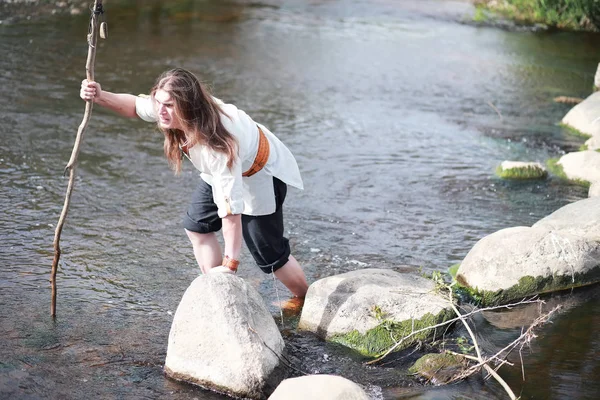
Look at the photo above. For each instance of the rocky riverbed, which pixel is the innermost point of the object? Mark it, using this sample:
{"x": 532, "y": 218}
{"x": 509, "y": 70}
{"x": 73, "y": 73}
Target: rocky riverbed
{"x": 18, "y": 10}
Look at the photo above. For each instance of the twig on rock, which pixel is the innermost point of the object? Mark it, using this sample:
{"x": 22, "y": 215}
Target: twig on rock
{"x": 449, "y": 322}
{"x": 482, "y": 362}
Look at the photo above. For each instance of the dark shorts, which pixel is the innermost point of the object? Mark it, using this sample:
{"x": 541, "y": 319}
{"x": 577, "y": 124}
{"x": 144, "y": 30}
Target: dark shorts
{"x": 263, "y": 234}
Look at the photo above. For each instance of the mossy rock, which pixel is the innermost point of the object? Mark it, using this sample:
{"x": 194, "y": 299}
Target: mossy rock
{"x": 378, "y": 340}
{"x": 521, "y": 170}
{"x": 556, "y": 169}
{"x": 574, "y": 131}
{"x": 528, "y": 286}
{"x": 439, "y": 368}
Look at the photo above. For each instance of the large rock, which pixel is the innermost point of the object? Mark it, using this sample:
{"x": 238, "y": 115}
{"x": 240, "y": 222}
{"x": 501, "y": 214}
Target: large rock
{"x": 368, "y": 310}
{"x": 593, "y": 143}
{"x": 223, "y": 338}
{"x": 583, "y": 117}
{"x": 594, "y": 189}
{"x": 319, "y": 387}
{"x": 581, "y": 165}
{"x": 517, "y": 262}
{"x": 581, "y": 218}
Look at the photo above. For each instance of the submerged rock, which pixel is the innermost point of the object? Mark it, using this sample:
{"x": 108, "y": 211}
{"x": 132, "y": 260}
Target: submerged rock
{"x": 439, "y": 368}
{"x": 318, "y": 387}
{"x": 581, "y": 165}
{"x": 223, "y": 338}
{"x": 521, "y": 170}
{"x": 369, "y": 310}
{"x": 517, "y": 262}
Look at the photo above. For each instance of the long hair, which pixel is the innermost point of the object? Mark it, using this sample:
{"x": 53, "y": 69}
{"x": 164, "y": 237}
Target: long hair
{"x": 200, "y": 117}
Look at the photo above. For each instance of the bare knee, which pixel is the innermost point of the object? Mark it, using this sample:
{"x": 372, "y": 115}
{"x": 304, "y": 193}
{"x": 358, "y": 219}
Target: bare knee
{"x": 199, "y": 239}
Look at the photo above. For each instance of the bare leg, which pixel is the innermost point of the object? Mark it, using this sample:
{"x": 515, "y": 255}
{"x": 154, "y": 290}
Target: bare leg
{"x": 292, "y": 276}
{"x": 207, "y": 249}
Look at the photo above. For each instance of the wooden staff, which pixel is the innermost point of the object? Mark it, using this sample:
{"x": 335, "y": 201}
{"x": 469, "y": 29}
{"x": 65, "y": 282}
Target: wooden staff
{"x": 92, "y": 39}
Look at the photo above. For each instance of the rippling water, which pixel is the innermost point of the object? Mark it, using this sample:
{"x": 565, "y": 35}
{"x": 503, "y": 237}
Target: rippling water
{"x": 398, "y": 113}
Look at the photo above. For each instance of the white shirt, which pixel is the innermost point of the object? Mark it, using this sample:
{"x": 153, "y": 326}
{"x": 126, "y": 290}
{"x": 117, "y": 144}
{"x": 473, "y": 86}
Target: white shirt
{"x": 233, "y": 193}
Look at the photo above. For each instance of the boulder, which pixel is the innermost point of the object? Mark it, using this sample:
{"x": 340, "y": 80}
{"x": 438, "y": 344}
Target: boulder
{"x": 583, "y": 117}
{"x": 593, "y": 143}
{"x": 368, "y": 310}
{"x": 581, "y": 165}
{"x": 517, "y": 262}
{"x": 581, "y": 218}
{"x": 597, "y": 78}
{"x": 594, "y": 189}
{"x": 223, "y": 338}
{"x": 318, "y": 387}
{"x": 521, "y": 170}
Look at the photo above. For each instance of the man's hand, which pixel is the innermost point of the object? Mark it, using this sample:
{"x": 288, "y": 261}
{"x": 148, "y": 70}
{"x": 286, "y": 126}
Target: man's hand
{"x": 90, "y": 90}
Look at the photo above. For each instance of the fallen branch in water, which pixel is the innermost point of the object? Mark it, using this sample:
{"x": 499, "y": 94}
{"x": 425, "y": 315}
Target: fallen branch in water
{"x": 478, "y": 351}
{"x": 92, "y": 38}
{"x": 451, "y": 321}
{"x": 568, "y": 100}
{"x": 484, "y": 362}
{"x": 525, "y": 338}
{"x": 489, "y": 103}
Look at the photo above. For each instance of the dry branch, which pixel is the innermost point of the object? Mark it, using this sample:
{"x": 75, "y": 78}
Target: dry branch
{"x": 451, "y": 321}
{"x": 89, "y": 68}
{"x": 483, "y": 362}
{"x": 524, "y": 338}
{"x": 478, "y": 351}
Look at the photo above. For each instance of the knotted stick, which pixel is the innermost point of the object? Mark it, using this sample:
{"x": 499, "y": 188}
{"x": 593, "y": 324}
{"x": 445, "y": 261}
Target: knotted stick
{"x": 92, "y": 39}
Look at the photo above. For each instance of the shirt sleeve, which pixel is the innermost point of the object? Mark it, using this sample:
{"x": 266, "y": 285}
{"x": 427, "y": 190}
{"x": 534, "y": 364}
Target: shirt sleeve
{"x": 227, "y": 184}
{"x": 144, "y": 107}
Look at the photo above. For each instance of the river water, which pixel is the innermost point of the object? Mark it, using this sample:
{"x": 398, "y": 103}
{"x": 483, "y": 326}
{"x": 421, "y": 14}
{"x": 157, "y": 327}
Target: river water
{"x": 398, "y": 113}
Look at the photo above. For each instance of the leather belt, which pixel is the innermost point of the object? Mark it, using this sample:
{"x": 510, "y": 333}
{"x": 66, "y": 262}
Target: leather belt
{"x": 262, "y": 155}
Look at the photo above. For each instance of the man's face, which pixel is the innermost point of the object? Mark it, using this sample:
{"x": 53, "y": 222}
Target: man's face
{"x": 165, "y": 110}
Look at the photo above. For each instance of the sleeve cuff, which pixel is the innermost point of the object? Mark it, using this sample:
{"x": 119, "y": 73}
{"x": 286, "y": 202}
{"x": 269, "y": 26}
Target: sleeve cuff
{"x": 144, "y": 108}
{"x": 228, "y": 207}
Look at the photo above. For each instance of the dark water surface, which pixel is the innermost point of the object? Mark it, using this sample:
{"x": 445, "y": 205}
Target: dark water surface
{"x": 398, "y": 113}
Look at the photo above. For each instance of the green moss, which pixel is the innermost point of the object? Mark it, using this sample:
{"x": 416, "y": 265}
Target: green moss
{"x": 557, "y": 169}
{"x": 378, "y": 313}
{"x": 378, "y": 340}
{"x": 574, "y": 132}
{"x": 453, "y": 270}
{"x": 481, "y": 15}
{"x": 529, "y": 286}
{"x": 583, "y": 147}
{"x": 563, "y": 14}
{"x": 431, "y": 364}
{"x": 528, "y": 172}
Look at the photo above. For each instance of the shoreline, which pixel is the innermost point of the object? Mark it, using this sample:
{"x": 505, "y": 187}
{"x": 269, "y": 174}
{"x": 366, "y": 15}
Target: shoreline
{"x": 525, "y": 15}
